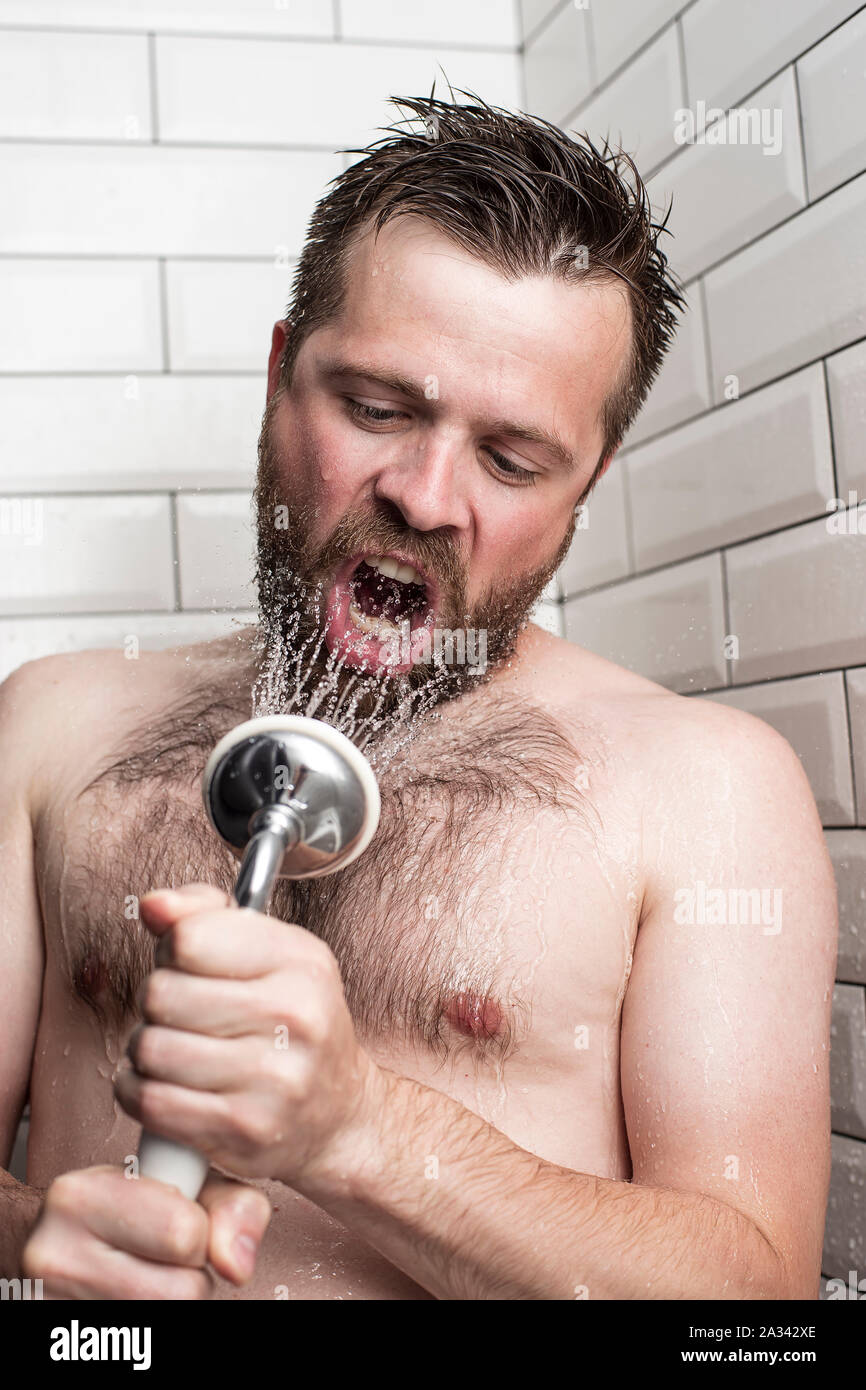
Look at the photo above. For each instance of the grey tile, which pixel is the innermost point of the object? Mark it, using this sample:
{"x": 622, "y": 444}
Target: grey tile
{"x": 832, "y": 78}
{"x": 848, "y": 1060}
{"x": 847, "y": 849}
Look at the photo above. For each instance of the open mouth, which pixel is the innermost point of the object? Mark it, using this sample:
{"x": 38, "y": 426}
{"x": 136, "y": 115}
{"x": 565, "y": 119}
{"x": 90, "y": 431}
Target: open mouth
{"x": 378, "y": 606}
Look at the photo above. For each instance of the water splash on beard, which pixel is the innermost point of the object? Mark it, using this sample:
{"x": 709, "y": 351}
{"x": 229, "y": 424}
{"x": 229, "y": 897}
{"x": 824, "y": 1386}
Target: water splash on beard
{"x": 297, "y": 674}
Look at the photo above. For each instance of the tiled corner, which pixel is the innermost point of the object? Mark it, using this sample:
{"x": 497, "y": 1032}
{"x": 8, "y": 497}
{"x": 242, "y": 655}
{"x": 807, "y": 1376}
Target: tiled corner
{"x": 731, "y": 45}
{"x": 831, "y": 78}
{"x": 636, "y": 109}
{"x": 557, "y": 73}
{"x": 681, "y": 389}
{"x": 810, "y": 713}
{"x": 845, "y": 1232}
{"x": 856, "y": 685}
{"x": 668, "y": 626}
{"x": 796, "y": 600}
{"x": 725, "y": 195}
{"x": 848, "y": 1060}
{"x": 797, "y": 293}
{"x": 846, "y": 378}
{"x": 847, "y": 849}
{"x": 599, "y": 550}
{"x": 752, "y": 465}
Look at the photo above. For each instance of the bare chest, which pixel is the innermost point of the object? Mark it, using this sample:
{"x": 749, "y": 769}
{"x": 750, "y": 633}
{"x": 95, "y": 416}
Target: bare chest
{"x": 484, "y": 919}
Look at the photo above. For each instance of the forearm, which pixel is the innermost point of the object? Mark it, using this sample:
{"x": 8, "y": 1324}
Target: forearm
{"x": 19, "y": 1208}
{"x": 470, "y": 1215}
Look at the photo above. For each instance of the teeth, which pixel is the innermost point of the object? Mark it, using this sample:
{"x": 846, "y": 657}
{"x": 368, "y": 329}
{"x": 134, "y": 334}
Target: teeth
{"x": 392, "y": 569}
{"x": 381, "y": 627}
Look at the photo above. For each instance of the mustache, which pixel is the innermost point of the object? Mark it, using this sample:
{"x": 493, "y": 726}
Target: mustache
{"x": 431, "y": 552}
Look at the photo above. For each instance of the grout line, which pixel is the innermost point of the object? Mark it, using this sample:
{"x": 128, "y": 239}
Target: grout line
{"x": 802, "y": 131}
{"x": 192, "y": 489}
{"x": 716, "y": 406}
{"x": 630, "y": 548}
{"x": 850, "y": 732}
{"x": 684, "y": 71}
{"x": 826, "y": 378}
{"x": 726, "y": 616}
{"x": 175, "y": 553}
{"x": 323, "y": 40}
{"x": 708, "y": 351}
{"x": 65, "y": 616}
{"x": 152, "y": 84}
{"x": 163, "y": 314}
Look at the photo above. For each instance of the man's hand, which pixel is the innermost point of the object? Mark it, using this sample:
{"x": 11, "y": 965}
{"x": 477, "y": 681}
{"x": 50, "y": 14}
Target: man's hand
{"x": 248, "y": 1052}
{"x": 101, "y": 1234}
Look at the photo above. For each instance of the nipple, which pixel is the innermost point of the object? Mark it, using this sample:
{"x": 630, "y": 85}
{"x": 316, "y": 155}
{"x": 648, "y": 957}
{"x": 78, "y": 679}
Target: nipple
{"x": 474, "y": 1015}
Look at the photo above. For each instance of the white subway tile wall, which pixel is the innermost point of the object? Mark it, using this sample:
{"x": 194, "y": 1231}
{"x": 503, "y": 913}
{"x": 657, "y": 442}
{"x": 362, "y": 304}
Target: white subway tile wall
{"x": 160, "y": 162}
{"x": 726, "y": 548}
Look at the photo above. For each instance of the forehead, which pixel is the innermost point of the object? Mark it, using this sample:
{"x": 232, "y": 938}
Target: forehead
{"x": 414, "y": 291}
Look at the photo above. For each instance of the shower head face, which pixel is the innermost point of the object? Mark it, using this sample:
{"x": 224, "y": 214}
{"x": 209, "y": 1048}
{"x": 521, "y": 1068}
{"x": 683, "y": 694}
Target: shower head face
{"x": 306, "y": 766}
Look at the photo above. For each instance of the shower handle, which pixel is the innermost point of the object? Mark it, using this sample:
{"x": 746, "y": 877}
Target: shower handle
{"x": 273, "y": 829}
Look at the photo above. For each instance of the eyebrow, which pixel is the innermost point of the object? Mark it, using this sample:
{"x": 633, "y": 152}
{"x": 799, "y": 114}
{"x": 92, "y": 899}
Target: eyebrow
{"x": 334, "y": 368}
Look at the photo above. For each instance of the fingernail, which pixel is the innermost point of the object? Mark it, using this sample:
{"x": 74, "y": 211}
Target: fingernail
{"x": 245, "y": 1250}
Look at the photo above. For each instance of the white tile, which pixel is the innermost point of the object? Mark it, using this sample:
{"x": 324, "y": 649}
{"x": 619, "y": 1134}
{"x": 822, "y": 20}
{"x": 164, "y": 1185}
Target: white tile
{"x": 599, "y": 550}
{"x": 848, "y": 1060}
{"x": 534, "y": 12}
{"x": 154, "y": 200}
{"x": 845, "y": 1231}
{"x": 490, "y": 22}
{"x": 856, "y": 685}
{"x": 74, "y": 87}
{"x": 308, "y": 93}
{"x": 832, "y": 80}
{"x": 68, "y": 315}
{"x": 750, "y": 466}
{"x": 635, "y": 109}
{"x": 727, "y": 194}
{"x": 556, "y": 66}
{"x": 847, "y": 849}
{"x": 549, "y": 616}
{"x": 277, "y": 17}
{"x": 733, "y": 45}
{"x": 796, "y": 601}
{"x": 25, "y": 639}
{"x": 846, "y": 378}
{"x": 682, "y": 388}
{"x": 667, "y": 626}
{"x": 62, "y": 434}
{"x": 84, "y": 554}
{"x": 221, "y": 313}
{"x": 810, "y": 714}
{"x": 796, "y": 294}
{"x": 216, "y": 547}
{"x": 620, "y": 27}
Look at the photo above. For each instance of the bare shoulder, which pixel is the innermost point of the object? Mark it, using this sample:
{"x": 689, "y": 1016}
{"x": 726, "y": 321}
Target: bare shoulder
{"x": 694, "y": 751}
{"x": 59, "y": 713}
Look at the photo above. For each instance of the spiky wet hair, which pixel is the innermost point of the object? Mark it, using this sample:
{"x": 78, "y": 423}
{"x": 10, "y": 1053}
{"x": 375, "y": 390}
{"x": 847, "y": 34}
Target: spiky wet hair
{"x": 521, "y": 195}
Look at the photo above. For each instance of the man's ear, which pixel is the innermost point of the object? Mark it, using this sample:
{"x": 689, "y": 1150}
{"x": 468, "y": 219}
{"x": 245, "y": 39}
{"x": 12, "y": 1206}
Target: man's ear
{"x": 606, "y": 465}
{"x": 281, "y": 332}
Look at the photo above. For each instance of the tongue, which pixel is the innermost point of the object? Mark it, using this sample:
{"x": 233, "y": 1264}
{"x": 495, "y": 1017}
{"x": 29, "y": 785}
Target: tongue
{"x": 377, "y": 596}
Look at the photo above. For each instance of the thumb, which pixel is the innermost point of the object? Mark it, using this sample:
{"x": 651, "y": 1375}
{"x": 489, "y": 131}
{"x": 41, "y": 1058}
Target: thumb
{"x": 239, "y": 1216}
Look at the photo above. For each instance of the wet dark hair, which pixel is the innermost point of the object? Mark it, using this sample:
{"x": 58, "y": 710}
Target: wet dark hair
{"x": 521, "y": 195}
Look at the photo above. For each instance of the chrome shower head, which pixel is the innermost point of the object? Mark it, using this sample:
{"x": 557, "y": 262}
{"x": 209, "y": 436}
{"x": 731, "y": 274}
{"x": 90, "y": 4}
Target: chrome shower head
{"x": 295, "y": 781}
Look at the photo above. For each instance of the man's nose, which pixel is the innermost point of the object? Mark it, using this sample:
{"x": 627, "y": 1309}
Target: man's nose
{"x": 427, "y": 489}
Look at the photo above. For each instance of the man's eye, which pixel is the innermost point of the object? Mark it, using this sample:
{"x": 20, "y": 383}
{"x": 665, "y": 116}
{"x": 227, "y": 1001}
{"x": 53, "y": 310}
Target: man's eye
{"x": 511, "y": 470}
{"x": 375, "y": 414}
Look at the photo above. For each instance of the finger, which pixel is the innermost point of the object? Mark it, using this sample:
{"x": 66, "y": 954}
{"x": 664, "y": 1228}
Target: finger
{"x": 239, "y": 1216}
{"x": 240, "y": 944}
{"x": 159, "y": 1224}
{"x": 195, "y": 1004}
{"x": 86, "y": 1268}
{"x": 193, "y": 1060}
{"x": 201, "y": 1119}
{"x": 163, "y": 906}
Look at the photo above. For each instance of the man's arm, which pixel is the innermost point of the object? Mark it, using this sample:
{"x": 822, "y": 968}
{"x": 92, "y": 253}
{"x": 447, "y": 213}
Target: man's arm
{"x": 21, "y": 957}
{"x": 724, "y": 1071}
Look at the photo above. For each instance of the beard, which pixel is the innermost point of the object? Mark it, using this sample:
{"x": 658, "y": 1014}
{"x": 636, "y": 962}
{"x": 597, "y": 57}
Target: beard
{"x": 302, "y": 670}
